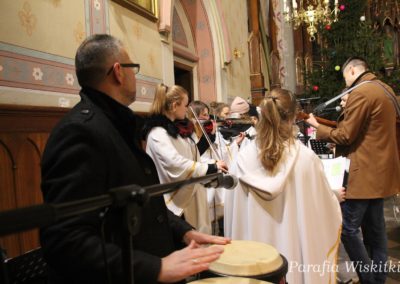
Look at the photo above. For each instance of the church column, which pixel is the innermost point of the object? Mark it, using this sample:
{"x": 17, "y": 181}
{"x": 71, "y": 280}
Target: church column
{"x": 256, "y": 76}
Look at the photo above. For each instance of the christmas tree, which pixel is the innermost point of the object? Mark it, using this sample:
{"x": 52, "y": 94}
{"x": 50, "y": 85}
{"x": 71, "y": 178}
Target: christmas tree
{"x": 351, "y": 35}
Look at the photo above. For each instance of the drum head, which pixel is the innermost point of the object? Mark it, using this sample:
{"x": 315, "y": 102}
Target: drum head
{"x": 247, "y": 258}
{"x": 229, "y": 280}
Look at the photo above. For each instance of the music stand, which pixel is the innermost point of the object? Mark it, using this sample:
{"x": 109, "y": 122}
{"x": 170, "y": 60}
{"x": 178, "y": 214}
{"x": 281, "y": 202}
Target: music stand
{"x": 305, "y": 104}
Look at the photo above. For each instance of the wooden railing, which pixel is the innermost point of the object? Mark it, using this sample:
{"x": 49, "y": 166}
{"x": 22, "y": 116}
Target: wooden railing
{"x": 24, "y": 131}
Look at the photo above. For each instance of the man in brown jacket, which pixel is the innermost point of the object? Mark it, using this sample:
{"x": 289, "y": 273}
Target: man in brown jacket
{"x": 368, "y": 133}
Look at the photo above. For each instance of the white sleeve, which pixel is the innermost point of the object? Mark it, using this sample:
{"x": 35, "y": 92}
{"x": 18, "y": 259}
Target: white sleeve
{"x": 172, "y": 166}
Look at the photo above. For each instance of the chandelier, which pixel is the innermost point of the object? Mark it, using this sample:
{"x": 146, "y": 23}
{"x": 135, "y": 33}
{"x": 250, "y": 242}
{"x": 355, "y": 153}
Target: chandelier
{"x": 317, "y": 12}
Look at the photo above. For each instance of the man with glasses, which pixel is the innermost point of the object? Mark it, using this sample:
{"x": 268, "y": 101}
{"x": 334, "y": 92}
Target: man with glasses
{"x": 95, "y": 148}
{"x": 367, "y": 134}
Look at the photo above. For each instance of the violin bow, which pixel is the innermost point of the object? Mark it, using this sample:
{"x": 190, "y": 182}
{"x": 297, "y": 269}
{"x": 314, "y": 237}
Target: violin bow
{"x": 205, "y": 134}
{"x": 219, "y": 136}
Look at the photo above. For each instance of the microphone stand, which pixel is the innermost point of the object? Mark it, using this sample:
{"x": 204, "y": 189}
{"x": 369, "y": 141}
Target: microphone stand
{"x": 3, "y": 274}
{"x": 322, "y": 106}
{"x": 129, "y": 197}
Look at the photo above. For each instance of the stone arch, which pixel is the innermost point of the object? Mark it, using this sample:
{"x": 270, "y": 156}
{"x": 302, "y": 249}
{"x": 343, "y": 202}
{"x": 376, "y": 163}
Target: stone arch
{"x": 202, "y": 54}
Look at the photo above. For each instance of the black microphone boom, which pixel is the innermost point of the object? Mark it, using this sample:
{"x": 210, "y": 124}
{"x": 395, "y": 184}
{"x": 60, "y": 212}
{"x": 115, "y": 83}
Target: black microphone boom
{"x": 13, "y": 221}
{"x": 225, "y": 181}
{"x": 130, "y": 198}
{"x": 319, "y": 108}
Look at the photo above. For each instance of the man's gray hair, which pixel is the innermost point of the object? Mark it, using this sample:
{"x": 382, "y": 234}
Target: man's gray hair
{"x": 95, "y": 57}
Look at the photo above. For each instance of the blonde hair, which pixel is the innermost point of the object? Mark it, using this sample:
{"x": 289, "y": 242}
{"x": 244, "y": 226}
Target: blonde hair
{"x": 278, "y": 110}
{"x": 165, "y": 97}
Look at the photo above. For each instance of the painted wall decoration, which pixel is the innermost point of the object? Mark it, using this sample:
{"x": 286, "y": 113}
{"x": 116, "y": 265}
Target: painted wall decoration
{"x": 238, "y": 70}
{"x": 140, "y": 37}
{"x": 44, "y": 26}
{"x": 27, "y": 19}
{"x": 178, "y": 32}
{"x": 37, "y": 56}
{"x": 33, "y": 73}
{"x": 97, "y": 10}
{"x": 142, "y": 41}
{"x": 183, "y": 38}
{"x": 200, "y": 27}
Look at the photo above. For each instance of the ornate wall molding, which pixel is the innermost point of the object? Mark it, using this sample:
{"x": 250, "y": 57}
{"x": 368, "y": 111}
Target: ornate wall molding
{"x": 30, "y": 72}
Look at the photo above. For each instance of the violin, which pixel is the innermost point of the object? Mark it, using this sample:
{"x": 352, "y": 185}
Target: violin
{"x": 302, "y": 116}
{"x": 185, "y": 127}
{"x": 208, "y": 125}
{"x": 233, "y": 127}
{"x": 229, "y": 122}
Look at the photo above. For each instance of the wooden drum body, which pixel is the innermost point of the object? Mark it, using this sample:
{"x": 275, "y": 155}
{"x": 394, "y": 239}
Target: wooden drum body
{"x": 251, "y": 260}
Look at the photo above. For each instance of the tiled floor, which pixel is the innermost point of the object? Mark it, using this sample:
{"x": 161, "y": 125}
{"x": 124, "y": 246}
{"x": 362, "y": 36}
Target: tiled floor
{"x": 393, "y": 231}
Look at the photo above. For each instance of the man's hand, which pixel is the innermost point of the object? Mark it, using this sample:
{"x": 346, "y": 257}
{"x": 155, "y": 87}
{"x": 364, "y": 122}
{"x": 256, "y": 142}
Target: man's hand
{"x": 312, "y": 121}
{"x": 188, "y": 261}
{"x": 204, "y": 239}
{"x": 342, "y": 194}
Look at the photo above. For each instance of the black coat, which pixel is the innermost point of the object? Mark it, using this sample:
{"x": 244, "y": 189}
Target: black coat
{"x": 91, "y": 150}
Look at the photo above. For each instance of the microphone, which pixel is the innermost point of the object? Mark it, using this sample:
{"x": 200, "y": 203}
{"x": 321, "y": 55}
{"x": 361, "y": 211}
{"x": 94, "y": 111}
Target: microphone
{"x": 333, "y": 109}
{"x": 225, "y": 181}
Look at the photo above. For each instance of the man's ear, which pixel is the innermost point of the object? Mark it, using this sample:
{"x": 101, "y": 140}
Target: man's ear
{"x": 352, "y": 71}
{"x": 117, "y": 73}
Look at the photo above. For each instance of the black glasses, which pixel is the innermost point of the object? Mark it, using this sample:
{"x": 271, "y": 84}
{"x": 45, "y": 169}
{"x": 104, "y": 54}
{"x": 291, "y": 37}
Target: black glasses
{"x": 135, "y": 66}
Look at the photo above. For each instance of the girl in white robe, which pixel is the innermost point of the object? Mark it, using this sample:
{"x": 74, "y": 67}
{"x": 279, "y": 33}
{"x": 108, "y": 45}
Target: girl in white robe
{"x": 283, "y": 197}
{"x": 221, "y": 149}
{"x": 176, "y": 156}
{"x": 209, "y": 154}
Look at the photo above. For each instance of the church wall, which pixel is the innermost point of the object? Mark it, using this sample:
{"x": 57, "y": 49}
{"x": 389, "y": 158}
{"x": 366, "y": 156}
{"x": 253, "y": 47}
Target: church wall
{"x": 237, "y": 73}
{"x": 38, "y": 41}
{"x": 39, "y": 38}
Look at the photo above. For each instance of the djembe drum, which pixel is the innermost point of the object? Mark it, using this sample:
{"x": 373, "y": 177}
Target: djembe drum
{"x": 250, "y": 259}
{"x": 229, "y": 280}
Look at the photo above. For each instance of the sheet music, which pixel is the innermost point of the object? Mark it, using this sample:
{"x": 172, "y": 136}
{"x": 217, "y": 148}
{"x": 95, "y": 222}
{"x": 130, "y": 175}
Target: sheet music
{"x": 334, "y": 170}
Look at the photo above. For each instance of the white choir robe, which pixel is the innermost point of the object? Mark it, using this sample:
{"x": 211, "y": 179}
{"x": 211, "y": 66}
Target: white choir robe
{"x": 228, "y": 151}
{"x": 251, "y": 131}
{"x": 215, "y": 196}
{"x": 178, "y": 159}
{"x": 294, "y": 210}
